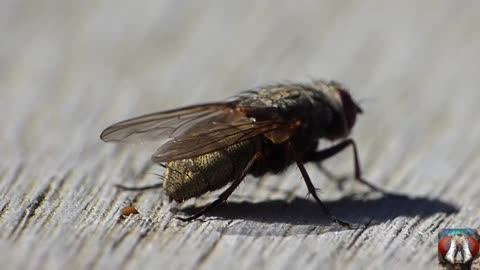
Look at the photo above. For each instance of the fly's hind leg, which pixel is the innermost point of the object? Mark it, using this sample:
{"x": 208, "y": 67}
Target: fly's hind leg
{"x": 142, "y": 188}
{"x": 225, "y": 194}
{"x": 329, "y": 152}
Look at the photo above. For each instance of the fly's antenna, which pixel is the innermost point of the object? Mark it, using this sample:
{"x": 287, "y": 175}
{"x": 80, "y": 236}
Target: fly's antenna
{"x": 365, "y": 100}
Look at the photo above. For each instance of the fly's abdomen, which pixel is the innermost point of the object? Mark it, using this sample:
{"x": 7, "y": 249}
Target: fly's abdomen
{"x": 187, "y": 178}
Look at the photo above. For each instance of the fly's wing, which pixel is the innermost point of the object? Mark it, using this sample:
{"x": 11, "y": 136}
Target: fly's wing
{"x": 192, "y": 131}
{"x": 158, "y": 127}
{"x": 208, "y": 137}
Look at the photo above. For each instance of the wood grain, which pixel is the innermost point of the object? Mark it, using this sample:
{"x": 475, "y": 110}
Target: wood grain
{"x": 70, "y": 68}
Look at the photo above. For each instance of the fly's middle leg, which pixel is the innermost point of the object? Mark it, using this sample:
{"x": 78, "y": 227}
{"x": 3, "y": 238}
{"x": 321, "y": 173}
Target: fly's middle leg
{"x": 339, "y": 180}
{"x": 225, "y": 194}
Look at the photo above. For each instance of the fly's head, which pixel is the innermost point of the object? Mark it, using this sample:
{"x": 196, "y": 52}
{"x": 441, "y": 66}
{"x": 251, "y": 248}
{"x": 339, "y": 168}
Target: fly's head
{"x": 457, "y": 246}
{"x": 343, "y": 103}
{"x": 350, "y": 108}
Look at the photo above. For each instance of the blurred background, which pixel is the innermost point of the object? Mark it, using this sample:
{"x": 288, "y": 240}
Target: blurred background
{"x": 68, "y": 69}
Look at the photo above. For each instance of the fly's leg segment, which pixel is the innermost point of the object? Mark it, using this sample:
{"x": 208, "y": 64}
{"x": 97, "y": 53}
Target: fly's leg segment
{"x": 142, "y": 188}
{"x": 311, "y": 188}
{"x": 339, "y": 180}
{"x": 224, "y": 196}
{"x": 329, "y": 152}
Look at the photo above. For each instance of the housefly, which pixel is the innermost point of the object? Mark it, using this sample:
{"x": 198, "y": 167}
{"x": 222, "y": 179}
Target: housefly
{"x": 457, "y": 247}
{"x": 207, "y": 146}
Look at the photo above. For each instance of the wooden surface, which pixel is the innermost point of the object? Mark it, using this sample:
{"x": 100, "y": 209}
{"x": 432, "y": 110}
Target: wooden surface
{"x": 70, "y": 68}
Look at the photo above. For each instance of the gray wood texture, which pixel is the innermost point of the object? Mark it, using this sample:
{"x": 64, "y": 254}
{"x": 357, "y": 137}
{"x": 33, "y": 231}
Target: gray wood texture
{"x": 70, "y": 68}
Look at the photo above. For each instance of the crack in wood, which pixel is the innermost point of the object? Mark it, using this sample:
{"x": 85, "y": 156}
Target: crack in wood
{"x": 357, "y": 236}
{"x": 212, "y": 248}
{"x": 29, "y": 212}
{"x": 15, "y": 176}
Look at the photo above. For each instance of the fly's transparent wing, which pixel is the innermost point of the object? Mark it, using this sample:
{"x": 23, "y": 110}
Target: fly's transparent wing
{"x": 214, "y": 136}
{"x": 195, "y": 130}
{"x": 167, "y": 124}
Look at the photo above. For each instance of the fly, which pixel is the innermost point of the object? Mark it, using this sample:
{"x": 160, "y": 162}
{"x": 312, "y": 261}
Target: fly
{"x": 207, "y": 146}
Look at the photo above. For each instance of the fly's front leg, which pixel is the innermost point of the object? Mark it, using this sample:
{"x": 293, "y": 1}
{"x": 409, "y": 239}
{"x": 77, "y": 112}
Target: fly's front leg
{"x": 329, "y": 152}
{"x": 224, "y": 196}
{"x": 312, "y": 190}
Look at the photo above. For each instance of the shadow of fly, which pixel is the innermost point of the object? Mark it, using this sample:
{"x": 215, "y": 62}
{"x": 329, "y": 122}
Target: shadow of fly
{"x": 207, "y": 146}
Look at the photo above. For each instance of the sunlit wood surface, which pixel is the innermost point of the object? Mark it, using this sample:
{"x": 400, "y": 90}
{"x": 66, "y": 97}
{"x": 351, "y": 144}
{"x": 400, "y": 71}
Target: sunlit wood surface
{"x": 68, "y": 69}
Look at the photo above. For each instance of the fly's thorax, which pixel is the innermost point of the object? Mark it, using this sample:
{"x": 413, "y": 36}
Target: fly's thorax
{"x": 318, "y": 105}
{"x": 188, "y": 178}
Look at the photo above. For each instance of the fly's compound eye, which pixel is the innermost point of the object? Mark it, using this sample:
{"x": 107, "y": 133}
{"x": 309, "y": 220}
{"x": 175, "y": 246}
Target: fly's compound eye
{"x": 350, "y": 108}
{"x": 473, "y": 246}
{"x": 444, "y": 245}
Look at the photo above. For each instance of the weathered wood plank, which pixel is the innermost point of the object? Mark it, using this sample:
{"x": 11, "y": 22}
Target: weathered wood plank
{"x": 68, "y": 69}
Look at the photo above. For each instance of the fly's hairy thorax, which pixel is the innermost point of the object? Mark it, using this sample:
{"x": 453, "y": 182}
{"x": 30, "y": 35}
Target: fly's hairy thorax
{"x": 187, "y": 178}
{"x": 320, "y": 119}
